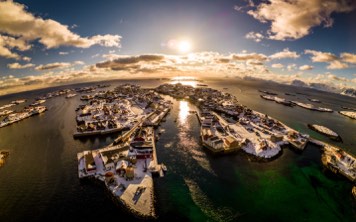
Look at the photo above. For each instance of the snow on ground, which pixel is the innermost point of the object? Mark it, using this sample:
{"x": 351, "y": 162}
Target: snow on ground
{"x": 254, "y": 147}
{"x": 349, "y": 114}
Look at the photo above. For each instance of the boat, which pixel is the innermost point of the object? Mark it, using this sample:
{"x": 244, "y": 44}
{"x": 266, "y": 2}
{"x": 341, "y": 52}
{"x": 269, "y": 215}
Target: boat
{"x": 3, "y": 155}
{"x": 38, "y": 102}
{"x": 70, "y": 95}
{"x": 268, "y": 92}
{"x": 314, "y": 100}
{"x": 18, "y": 101}
{"x": 199, "y": 84}
{"x": 163, "y": 167}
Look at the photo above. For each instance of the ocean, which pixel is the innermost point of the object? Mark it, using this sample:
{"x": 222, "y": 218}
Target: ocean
{"x": 39, "y": 180}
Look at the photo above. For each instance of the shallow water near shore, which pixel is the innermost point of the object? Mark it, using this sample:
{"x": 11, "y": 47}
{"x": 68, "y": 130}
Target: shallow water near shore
{"x": 39, "y": 180}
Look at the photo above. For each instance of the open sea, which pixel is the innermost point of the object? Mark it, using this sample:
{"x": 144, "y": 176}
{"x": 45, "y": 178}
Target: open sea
{"x": 39, "y": 181}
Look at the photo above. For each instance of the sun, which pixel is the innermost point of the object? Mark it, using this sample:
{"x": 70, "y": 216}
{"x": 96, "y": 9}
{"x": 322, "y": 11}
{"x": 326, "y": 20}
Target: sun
{"x": 184, "y": 46}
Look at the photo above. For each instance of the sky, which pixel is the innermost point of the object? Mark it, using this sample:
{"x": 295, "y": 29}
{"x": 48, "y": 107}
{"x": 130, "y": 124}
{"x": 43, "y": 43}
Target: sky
{"x": 302, "y": 42}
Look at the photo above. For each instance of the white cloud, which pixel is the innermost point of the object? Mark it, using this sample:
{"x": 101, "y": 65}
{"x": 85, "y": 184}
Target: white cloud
{"x": 22, "y": 27}
{"x": 17, "y": 65}
{"x": 250, "y": 56}
{"x": 202, "y": 64}
{"x": 337, "y": 65}
{"x": 305, "y": 67}
{"x": 277, "y": 66}
{"x": 55, "y": 65}
{"x": 294, "y": 19}
{"x": 78, "y": 63}
{"x": 334, "y": 61}
{"x": 348, "y": 57}
{"x": 318, "y": 56}
{"x": 285, "y": 54}
{"x": 255, "y": 36}
{"x": 291, "y": 67}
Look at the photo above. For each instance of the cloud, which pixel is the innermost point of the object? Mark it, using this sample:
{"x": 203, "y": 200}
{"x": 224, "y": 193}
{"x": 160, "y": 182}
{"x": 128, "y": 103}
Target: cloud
{"x": 291, "y": 67}
{"x": 8, "y": 43}
{"x": 285, "y": 54}
{"x": 334, "y": 61}
{"x": 348, "y": 57}
{"x": 294, "y": 19}
{"x": 306, "y": 67}
{"x": 250, "y": 56}
{"x": 19, "y": 27}
{"x": 19, "y": 66}
{"x": 78, "y": 63}
{"x": 255, "y": 36}
{"x": 337, "y": 65}
{"x": 318, "y": 56}
{"x": 277, "y": 66}
{"x": 200, "y": 64}
{"x": 55, "y": 65}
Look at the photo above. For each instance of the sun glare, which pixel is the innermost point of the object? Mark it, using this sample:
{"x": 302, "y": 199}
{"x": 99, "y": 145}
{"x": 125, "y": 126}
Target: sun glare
{"x": 184, "y": 46}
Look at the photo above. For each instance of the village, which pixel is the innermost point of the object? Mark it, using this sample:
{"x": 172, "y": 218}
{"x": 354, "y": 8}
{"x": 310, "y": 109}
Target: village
{"x": 227, "y": 126}
{"x": 126, "y": 166}
{"x": 119, "y": 109}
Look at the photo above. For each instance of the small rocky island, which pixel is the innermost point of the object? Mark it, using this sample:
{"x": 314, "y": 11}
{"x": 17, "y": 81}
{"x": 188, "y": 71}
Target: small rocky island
{"x": 325, "y": 131}
{"x": 349, "y": 114}
{"x": 3, "y": 155}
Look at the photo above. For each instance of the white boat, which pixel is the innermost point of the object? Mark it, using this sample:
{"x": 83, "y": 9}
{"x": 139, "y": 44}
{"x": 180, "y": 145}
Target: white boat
{"x": 163, "y": 167}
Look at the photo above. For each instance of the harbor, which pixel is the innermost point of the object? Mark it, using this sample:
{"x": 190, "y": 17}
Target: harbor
{"x": 189, "y": 165}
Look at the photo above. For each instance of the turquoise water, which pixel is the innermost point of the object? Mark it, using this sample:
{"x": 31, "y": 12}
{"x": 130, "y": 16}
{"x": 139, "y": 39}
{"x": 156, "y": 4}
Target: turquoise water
{"x": 39, "y": 180}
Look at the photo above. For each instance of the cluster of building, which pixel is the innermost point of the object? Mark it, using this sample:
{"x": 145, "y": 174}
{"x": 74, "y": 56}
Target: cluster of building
{"x": 227, "y": 125}
{"x": 127, "y": 166}
{"x": 25, "y": 113}
{"x": 126, "y": 169}
{"x": 119, "y": 109}
{"x": 339, "y": 161}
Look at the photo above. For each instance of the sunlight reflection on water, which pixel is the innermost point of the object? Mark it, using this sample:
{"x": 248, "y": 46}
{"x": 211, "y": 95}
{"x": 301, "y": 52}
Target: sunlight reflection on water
{"x": 183, "y": 111}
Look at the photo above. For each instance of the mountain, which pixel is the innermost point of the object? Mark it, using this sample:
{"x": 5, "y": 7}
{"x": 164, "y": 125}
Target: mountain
{"x": 349, "y": 92}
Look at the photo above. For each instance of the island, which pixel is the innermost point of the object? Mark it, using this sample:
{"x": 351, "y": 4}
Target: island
{"x": 126, "y": 170}
{"x": 312, "y": 107}
{"x": 277, "y": 100}
{"x": 350, "y": 114}
{"x": 119, "y": 109}
{"x": 227, "y": 126}
{"x": 25, "y": 113}
{"x": 325, "y": 131}
{"x": 127, "y": 166}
